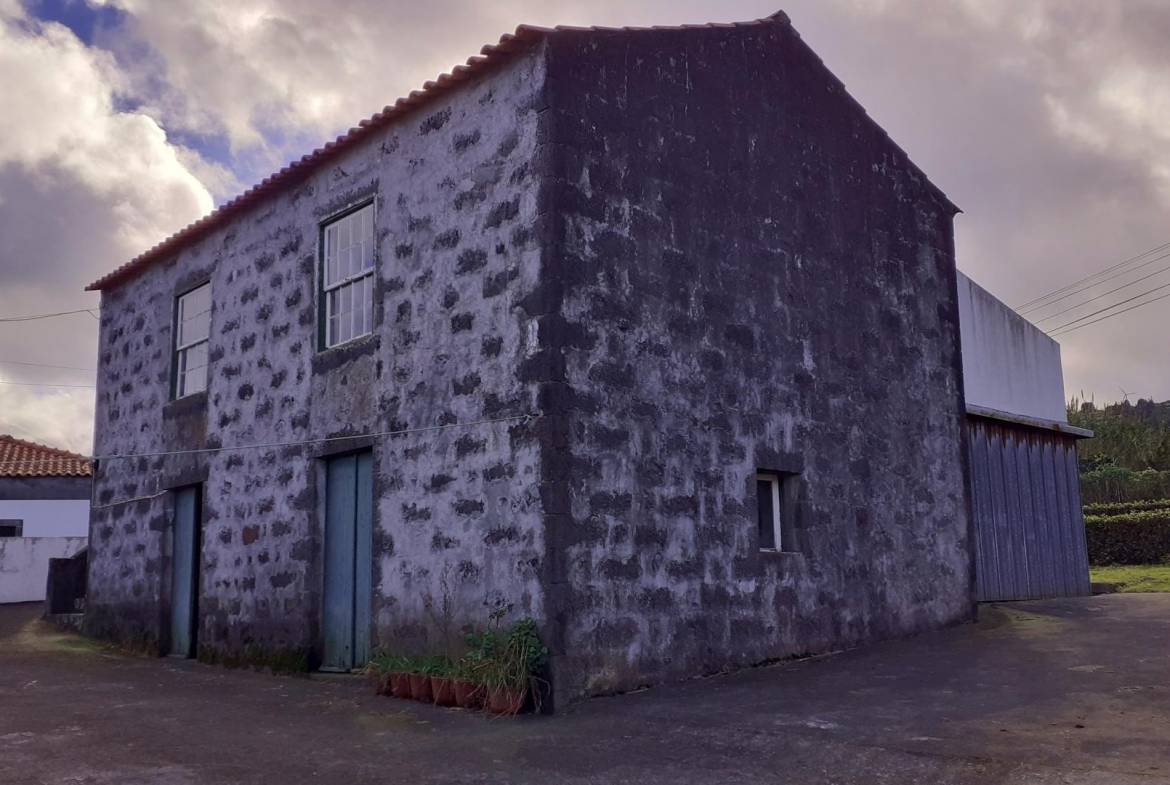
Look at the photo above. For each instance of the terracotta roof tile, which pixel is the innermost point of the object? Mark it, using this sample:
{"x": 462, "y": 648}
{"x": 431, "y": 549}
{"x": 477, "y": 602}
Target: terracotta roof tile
{"x": 20, "y": 458}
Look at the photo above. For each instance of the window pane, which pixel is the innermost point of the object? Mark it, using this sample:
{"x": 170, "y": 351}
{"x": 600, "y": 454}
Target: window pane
{"x": 367, "y": 238}
{"x": 192, "y": 370}
{"x": 349, "y": 246}
{"x": 331, "y": 271}
{"x": 367, "y": 323}
{"x": 197, "y": 356}
{"x": 194, "y": 316}
{"x": 766, "y": 513}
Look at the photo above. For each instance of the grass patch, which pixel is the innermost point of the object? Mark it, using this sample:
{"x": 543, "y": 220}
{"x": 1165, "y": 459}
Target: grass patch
{"x": 1134, "y": 578}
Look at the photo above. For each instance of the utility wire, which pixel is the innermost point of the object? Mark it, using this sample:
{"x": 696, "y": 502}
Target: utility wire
{"x": 1034, "y": 303}
{"x": 46, "y": 315}
{"x": 1110, "y": 316}
{"x": 1089, "y": 286}
{"x": 1103, "y": 294}
{"x": 40, "y": 384}
{"x": 46, "y": 365}
{"x": 1109, "y": 308}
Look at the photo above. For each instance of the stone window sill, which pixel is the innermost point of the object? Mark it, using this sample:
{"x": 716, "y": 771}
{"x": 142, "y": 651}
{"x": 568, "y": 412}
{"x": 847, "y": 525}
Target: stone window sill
{"x": 195, "y": 403}
{"x": 334, "y": 357}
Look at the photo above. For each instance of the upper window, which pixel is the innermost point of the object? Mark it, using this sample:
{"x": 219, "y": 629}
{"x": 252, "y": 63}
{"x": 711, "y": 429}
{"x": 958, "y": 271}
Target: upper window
{"x": 347, "y": 280}
{"x": 192, "y": 327}
{"x": 776, "y": 511}
{"x": 11, "y": 527}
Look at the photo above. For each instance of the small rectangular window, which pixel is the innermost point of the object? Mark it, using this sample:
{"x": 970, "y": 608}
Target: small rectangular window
{"x": 192, "y": 329}
{"x": 10, "y": 527}
{"x": 347, "y": 276}
{"x": 776, "y": 511}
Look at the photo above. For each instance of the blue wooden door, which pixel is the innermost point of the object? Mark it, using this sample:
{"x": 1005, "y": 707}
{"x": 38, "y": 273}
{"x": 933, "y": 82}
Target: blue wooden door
{"x": 348, "y": 561}
{"x": 185, "y": 572}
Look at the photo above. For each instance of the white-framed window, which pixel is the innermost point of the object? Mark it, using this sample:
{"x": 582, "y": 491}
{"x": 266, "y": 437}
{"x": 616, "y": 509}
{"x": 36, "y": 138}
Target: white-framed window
{"x": 192, "y": 328}
{"x": 347, "y": 276}
{"x": 776, "y": 510}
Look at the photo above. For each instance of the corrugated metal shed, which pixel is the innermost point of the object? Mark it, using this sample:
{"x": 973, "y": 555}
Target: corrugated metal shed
{"x": 1026, "y": 507}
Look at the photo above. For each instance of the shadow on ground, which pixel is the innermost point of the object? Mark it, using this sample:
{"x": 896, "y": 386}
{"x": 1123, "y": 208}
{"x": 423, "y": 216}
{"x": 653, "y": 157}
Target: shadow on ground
{"x": 1061, "y": 691}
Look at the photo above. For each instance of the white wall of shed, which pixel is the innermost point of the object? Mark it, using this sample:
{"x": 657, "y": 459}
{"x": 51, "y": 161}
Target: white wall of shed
{"x": 24, "y": 565}
{"x": 1009, "y": 364}
{"x": 48, "y": 517}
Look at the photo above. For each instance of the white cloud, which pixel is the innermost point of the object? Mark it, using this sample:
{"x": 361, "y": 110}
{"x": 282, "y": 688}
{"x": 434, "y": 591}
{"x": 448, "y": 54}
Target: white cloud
{"x": 261, "y": 71}
{"x": 60, "y": 417}
{"x": 86, "y": 187}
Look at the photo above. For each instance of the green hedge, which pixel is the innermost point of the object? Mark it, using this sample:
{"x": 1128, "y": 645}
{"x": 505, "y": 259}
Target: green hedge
{"x": 1117, "y": 484}
{"x": 1133, "y": 538}
{"x": 1124, "y": 508}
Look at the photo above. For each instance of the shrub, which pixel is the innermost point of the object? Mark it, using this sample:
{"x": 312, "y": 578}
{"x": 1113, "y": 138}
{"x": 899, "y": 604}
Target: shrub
{"x": 383, "y": 662}
{"x": 1111, "y": 484}
{"x": 1124, "y": 508}
{"x": 1132, "y": 538}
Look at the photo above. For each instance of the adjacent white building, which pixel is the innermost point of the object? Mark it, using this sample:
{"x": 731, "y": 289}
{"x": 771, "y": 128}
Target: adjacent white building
{"x": 44, "y": 514}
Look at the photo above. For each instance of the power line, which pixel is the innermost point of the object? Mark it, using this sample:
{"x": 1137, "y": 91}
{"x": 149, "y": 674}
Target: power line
{"x": 45, "y": 365}
{"x": 1109, "y": 307}
{"x": 41, "y": 384}
{"x": 1089, "y": 286}
{"x": 1034, "y": 303}
{"x": 47, "y": 315}
{"x": 1110, "y": 316}
{"x": 1103, "y": 294}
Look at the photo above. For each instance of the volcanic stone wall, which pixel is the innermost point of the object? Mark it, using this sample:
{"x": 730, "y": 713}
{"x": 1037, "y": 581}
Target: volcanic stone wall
{"x": 690, "y": 256}
{"x": 753, "y": 278}
{"x": 457, "y": 510}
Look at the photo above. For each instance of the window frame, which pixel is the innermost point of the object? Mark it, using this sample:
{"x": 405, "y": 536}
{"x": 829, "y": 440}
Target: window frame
{"x": 178, "y": 351}
{"x": 16, "y": 524}
{"x": 323, "y": 291}
{"x": 784, "y": 488}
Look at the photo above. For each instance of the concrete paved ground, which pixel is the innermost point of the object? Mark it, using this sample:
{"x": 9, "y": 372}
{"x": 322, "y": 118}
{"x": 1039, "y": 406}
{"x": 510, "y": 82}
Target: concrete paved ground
{"x": 1067, "y": 691}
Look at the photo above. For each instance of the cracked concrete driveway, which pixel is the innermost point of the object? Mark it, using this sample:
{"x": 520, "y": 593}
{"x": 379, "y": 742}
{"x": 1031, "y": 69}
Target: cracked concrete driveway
{"x": 1061, "y": 691}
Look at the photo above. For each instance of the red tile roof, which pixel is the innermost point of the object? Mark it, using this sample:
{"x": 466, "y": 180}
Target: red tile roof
{"x": 19, "y": 458}
{"x": 490, "y": 56}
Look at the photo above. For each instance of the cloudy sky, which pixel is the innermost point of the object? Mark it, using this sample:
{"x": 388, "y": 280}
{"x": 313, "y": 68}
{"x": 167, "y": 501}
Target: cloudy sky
{"x": 1047, "y": 121}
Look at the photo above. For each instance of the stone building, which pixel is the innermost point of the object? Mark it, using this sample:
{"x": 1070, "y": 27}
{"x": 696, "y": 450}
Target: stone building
{"x": 650, "y": 334}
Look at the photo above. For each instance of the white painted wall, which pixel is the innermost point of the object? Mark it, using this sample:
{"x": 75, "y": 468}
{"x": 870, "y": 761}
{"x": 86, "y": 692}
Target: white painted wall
{"x": 24, "y": 564}
{"x": 1009, "y": 364}
{"x": 44, "y": 518}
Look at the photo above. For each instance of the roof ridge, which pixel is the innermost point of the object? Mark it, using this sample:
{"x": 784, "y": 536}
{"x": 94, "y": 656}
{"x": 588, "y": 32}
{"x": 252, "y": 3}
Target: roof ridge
{"x": 25, "y": 458}
{"x": 28, "y": 443}
{"x": 489, "y": 54}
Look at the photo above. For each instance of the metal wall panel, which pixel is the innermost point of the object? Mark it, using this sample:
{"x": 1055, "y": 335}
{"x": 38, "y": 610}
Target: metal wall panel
{"x": 1026, "y": 506}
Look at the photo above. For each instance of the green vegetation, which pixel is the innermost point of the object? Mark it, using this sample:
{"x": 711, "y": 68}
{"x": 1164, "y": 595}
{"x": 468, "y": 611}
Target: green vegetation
{"x": 1125, "y": 481}
{"x": 1129, "y": 538}
{"x": 1124, "y": 508}
{"x": 1128, "y": 458}
{"x": 1136, "y": 578}
{"x": 431, "y": 665}
{"x": 510, "y": 658}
